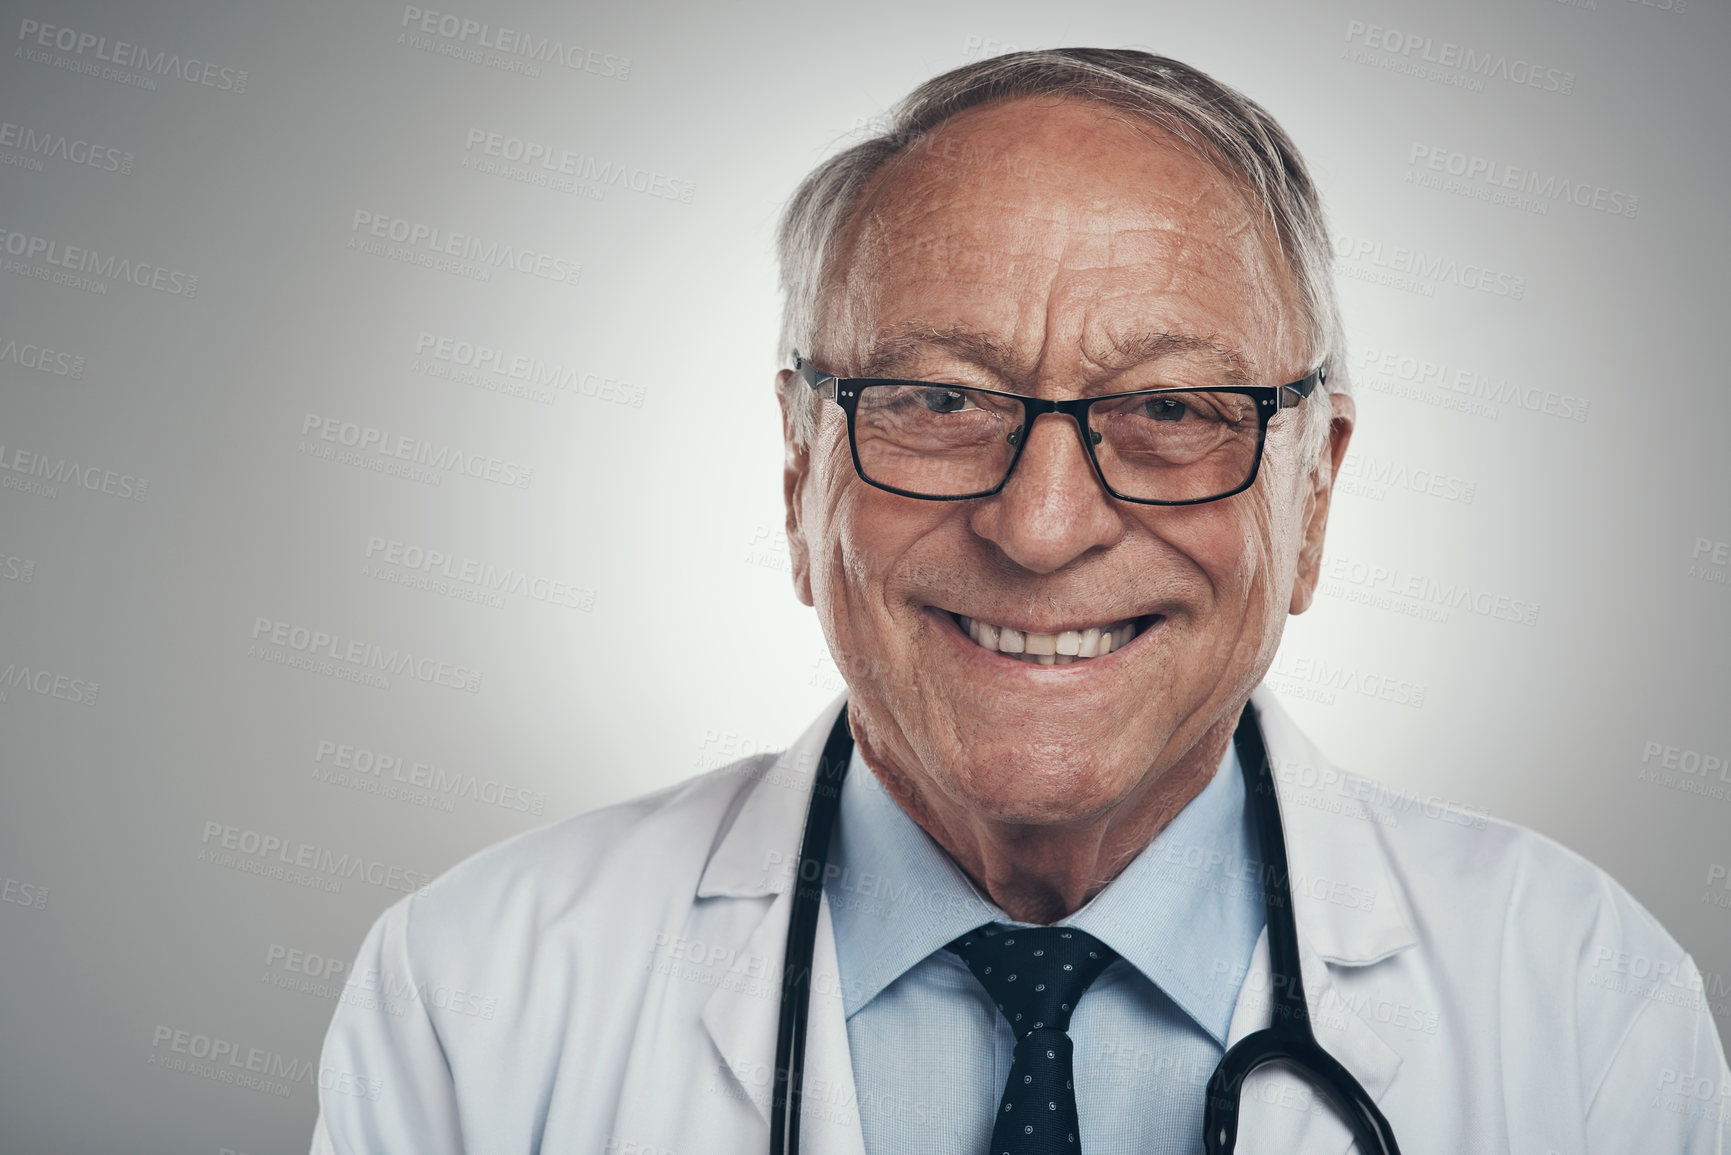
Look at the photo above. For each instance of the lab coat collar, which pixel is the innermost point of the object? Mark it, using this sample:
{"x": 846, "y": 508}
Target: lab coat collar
{"x": 1347, "y": 900}
{"x": 741, "y": 1019}
{"x": 756, "y": 858}
{"x": 759, "y": 852}
{"x": 1349, "y": 903}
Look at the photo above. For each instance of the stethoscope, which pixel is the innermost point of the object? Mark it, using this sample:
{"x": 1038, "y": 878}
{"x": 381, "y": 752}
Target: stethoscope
{"x": 1287, "y": 1039}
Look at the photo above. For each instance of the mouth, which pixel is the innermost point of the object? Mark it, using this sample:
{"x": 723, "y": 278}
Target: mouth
{"x": 1058, "y": 649}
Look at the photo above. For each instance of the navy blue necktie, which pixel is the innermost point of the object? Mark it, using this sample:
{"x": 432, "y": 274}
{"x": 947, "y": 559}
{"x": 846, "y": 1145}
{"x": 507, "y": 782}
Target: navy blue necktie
{"x": 1036, "y": 975}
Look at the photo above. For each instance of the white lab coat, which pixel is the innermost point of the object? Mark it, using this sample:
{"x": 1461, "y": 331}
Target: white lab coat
{"x": 610, "y": 983}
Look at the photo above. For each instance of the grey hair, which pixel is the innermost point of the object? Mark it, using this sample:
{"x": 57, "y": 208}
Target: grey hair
{"x": 1221, "y": 125}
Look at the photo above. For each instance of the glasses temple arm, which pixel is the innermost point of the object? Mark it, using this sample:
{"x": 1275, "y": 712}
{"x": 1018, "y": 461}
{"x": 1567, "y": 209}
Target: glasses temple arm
{"x": 812, "y": 375}
{"x": 1291, "y": 395}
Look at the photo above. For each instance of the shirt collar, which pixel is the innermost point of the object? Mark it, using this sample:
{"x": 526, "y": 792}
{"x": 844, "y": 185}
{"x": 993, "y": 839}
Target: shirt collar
{"x": 895, "y": 895}
{"x": 1187, "y": 910}
{"x": 1185, "y": 913}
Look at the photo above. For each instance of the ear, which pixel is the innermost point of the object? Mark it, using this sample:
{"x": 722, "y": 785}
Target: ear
{"x": 1317, "y": 500}
{"x": 796, "y": 468}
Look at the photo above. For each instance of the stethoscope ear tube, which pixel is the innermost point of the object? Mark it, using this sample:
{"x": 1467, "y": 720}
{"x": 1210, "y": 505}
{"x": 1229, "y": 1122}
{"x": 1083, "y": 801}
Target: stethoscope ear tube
{"x": 1288, "y": 1039}
{"x": 832, "y": 768}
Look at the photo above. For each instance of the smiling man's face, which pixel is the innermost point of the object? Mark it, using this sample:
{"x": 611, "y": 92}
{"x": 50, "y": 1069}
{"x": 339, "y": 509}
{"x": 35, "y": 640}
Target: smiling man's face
{"x": 1054, "y": 248}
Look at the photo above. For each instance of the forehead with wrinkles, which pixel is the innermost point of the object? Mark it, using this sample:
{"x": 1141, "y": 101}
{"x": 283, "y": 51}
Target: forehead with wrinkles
{"x": 1043, "y": 225}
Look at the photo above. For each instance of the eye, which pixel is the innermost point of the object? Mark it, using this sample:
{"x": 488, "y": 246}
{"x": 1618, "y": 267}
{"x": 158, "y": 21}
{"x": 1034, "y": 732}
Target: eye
{"x": 944, "y": 400}
{"x": 1165, "y": 409}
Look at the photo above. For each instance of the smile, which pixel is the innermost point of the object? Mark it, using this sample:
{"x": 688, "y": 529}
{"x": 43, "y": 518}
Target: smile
{"x": 1060, "y": 649}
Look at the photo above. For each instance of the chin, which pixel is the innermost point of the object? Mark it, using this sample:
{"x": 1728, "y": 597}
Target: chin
{"x": 1038, "y": 785}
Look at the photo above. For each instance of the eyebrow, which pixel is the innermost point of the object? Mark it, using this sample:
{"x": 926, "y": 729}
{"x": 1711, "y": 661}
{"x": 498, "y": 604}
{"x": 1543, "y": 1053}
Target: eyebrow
{"x": 892, "y": 353}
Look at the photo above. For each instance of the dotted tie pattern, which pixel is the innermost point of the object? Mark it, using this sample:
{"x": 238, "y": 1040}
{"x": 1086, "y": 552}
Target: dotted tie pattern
{"x": 1036, "y": 975}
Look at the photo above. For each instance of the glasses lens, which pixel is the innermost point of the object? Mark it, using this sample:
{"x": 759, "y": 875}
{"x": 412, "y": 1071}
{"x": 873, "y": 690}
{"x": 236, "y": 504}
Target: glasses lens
{"x": 1176, "y": 446}
{"x": 935, "y": 440}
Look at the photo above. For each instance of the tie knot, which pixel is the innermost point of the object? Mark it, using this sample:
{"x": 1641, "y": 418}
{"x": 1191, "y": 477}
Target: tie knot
{"x": 1036, "y": 975}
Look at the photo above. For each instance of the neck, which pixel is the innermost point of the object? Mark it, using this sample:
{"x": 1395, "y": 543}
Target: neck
{"x": 1041, "y": 873}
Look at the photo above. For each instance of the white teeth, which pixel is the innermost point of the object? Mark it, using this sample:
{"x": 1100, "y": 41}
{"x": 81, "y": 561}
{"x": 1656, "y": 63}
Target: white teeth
{"x": 1059, "y": 649}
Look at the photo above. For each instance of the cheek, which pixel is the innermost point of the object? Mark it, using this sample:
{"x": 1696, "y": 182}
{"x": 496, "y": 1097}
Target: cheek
{"x": 829, "y": 511}
{"x": 1283, "y": 502}
{"x": 1234, "y": 545}
{"x": 858, "y": 536}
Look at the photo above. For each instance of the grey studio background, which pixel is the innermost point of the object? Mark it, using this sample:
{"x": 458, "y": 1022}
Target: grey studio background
{"x": 389, "y": 465}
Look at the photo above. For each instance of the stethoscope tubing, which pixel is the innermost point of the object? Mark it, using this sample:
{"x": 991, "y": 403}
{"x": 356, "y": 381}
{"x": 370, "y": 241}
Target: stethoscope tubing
{"x": 1288, "y": 1039}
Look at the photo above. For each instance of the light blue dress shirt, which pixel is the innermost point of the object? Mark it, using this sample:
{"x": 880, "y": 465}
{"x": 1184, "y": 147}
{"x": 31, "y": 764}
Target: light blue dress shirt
{"x": 930, "y": 1050}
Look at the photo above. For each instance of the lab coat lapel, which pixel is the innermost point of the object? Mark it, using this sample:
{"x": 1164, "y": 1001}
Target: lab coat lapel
{"x": 756, "y": 858}
{"x": 1280, "y": 1111}
{"x": 1332, "y": 855}
{"x": 1326, "y": 850}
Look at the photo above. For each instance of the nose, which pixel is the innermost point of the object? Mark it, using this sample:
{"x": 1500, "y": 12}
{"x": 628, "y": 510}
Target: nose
{"x": 1053, "y": 509}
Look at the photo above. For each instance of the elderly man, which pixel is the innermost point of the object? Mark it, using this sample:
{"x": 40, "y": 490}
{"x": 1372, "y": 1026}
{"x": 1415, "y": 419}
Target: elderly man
{"x": 1063, "y": 405}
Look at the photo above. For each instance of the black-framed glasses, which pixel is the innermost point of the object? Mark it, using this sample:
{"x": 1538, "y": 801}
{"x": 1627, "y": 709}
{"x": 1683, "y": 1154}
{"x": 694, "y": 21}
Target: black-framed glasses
{"x": 940, "y": 442}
